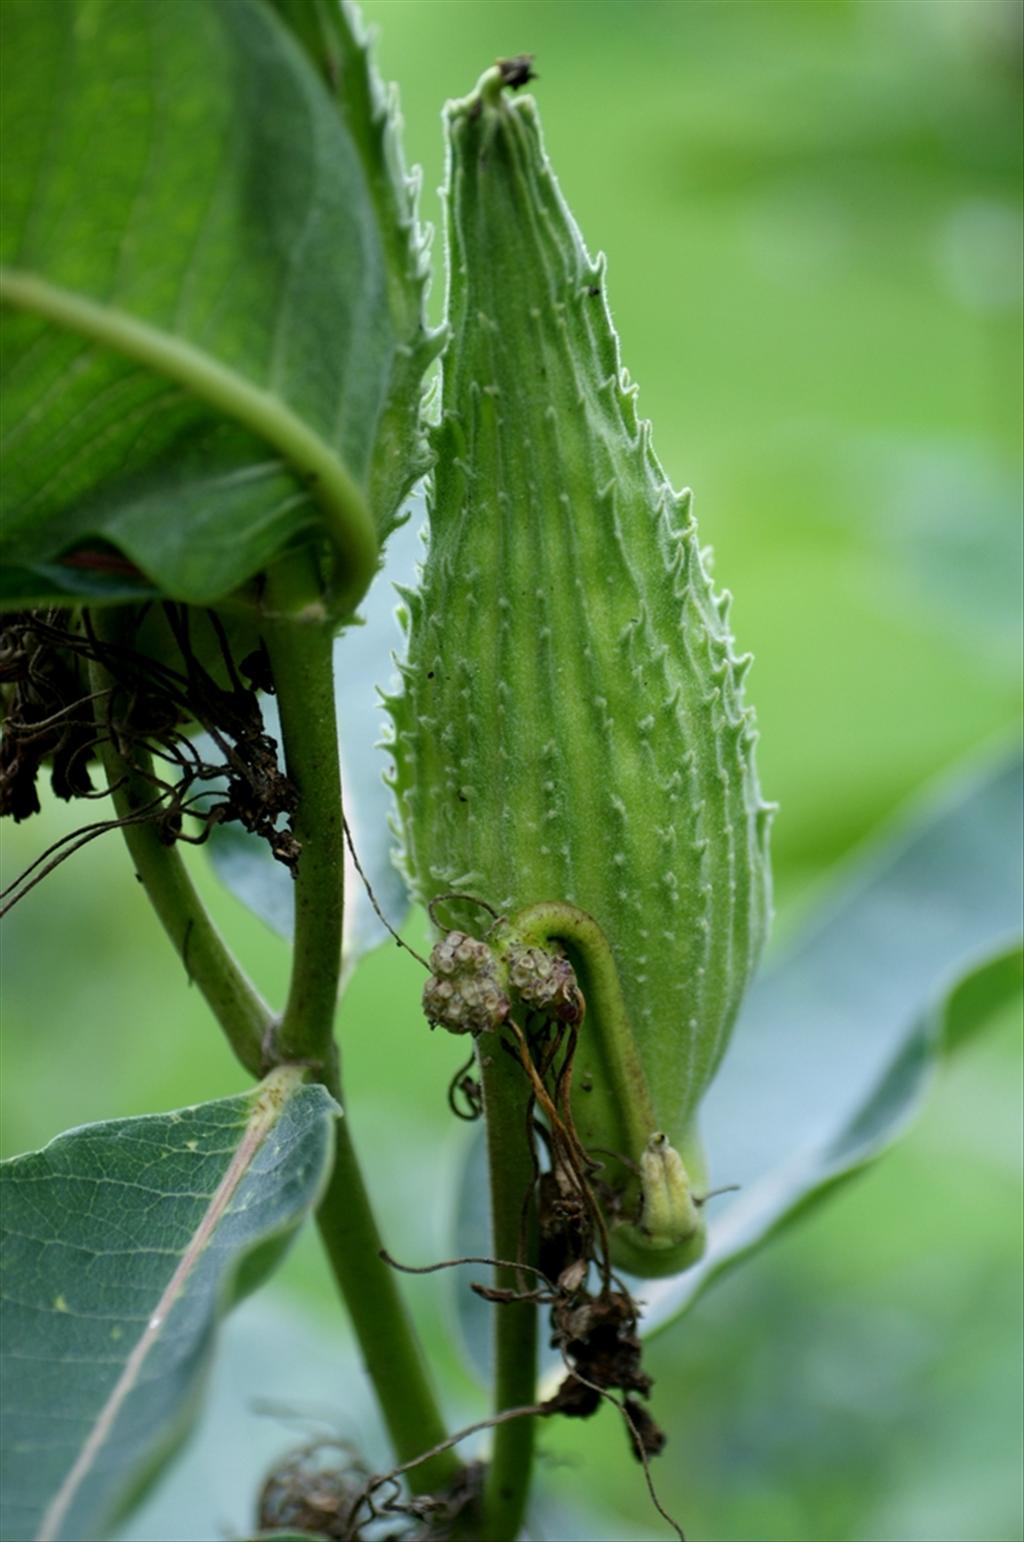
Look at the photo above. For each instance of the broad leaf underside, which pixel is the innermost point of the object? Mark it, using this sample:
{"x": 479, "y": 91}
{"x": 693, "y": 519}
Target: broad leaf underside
{"x": 122, "y": 1245}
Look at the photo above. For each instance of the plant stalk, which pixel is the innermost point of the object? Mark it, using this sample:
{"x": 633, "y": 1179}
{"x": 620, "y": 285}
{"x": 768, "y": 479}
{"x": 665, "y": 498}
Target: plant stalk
{"x": 507, "y": 1111}
{"x": 234, "y": 1001}
{"x": 301, "y": 660}
{"x": 387, "y": 1338}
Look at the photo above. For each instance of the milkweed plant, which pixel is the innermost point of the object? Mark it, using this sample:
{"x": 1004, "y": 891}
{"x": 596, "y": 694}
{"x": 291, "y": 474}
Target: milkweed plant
{"x": 221, "y": 400}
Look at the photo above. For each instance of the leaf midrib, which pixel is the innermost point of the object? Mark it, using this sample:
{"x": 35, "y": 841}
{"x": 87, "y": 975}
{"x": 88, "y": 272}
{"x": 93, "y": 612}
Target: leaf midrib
{"x": 346, "y": 515}
{"x": 267, "y": 1106}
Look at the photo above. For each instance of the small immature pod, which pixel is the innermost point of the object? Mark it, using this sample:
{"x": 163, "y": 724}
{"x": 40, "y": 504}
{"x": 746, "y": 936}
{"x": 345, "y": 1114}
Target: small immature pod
{"x": 572, "y": 726}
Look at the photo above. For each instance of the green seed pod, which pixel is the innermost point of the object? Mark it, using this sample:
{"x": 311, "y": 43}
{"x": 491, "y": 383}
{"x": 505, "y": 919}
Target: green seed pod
{"x": 572, "y": 726}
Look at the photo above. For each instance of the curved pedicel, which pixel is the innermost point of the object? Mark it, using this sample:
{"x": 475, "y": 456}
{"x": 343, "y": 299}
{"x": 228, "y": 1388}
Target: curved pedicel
{"x": 657, "y": 1223}
{"x": 553, "y": 960}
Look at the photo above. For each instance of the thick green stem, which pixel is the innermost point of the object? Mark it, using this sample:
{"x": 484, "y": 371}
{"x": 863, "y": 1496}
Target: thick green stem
{"x": 506, "y": 1106}
{"x": 608, "y": 1015}
{"x": 300, "y": 657}
{"x": 301, "y": 660}
{"x": 234, "y": 1001}
{"x": 391, "y": 1352}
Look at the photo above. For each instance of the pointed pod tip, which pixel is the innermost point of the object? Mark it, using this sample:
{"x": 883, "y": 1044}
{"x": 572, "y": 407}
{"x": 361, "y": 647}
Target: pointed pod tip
{"x": 505, "y": 74}
{"x": 517, "y": 71}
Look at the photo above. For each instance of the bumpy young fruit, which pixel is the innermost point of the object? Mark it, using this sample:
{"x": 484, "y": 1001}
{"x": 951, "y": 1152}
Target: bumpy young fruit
{"x": 572, "y": 725}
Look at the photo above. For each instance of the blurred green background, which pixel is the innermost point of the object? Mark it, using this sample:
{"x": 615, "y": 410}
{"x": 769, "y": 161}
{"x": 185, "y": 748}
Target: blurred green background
{"x": 812, "y": 218}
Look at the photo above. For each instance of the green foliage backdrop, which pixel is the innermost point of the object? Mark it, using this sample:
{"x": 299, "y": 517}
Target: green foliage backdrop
{"x": 812, "y": 220}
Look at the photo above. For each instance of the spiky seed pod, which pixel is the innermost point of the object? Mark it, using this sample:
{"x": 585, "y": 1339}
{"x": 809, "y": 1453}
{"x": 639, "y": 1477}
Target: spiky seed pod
{"x": 572, "y": 725}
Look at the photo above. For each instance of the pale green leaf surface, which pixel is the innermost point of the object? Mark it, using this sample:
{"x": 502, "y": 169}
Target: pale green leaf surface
{"x": 198, "y": 344}
{"x": 123, "y": 1243}
{"x": 837, "y": 1042}
{"x": 281, "y": 1378}
{"x": 362, "y": 662}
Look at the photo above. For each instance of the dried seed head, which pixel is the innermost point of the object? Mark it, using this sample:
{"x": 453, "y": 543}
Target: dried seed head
{"x": 546, "y": 981}
{"x": 458, "y": 954}
{"x": 464, "y": 992}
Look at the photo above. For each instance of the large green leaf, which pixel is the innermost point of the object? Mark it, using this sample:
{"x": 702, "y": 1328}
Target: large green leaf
{"x": 123, "y": 1243}
{"x": 199, "y": 342}
{"x": 837, "y": 1043}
